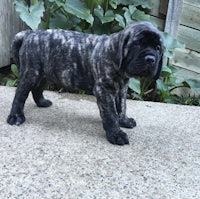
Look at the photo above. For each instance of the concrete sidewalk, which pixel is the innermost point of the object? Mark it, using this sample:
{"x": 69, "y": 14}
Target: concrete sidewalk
{"x": 61, "y": 152}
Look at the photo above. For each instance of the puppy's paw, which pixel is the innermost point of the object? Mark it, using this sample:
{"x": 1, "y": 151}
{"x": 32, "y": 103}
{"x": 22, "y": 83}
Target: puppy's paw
{"x": 44, "y": 103}
{"x": 127, "y": 122}
{"x": 119, "y": 138}
{"x": 16, "y": 119}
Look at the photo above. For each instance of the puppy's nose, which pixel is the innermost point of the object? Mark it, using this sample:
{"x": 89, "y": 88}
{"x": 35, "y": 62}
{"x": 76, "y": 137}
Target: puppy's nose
{"x": 150, "y": 59}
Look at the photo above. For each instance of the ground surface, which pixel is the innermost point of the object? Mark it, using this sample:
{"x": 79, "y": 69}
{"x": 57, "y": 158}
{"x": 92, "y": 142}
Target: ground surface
{"x": 61, "y": 152}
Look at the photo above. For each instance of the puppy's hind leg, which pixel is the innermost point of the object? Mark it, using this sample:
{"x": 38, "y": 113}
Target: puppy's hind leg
{"x": 16, "y": 116}
{"x": 38, "y": 97}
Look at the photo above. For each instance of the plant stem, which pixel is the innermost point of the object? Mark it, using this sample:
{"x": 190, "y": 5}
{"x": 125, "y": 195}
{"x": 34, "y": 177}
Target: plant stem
{"x": 170, "y": 90}
{"x": 107, "y": 3}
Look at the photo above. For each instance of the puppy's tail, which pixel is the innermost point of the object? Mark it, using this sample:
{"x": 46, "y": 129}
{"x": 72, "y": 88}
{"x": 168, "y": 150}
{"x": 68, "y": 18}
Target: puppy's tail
{"x": 16, "y": 45}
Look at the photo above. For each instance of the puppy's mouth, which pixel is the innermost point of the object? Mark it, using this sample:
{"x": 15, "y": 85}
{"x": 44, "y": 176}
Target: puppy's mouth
{"x": 147, "y": 62}
{"x": 146, "y": 58}
{"x": 144, "y": 64}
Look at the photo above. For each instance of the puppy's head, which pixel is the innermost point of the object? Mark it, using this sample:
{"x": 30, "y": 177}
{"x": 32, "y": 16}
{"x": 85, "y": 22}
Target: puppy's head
{"x": 141, "y": 51}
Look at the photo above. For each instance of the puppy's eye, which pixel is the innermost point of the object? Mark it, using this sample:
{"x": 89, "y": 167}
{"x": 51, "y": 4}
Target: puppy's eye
{"x": 157, "y": 47}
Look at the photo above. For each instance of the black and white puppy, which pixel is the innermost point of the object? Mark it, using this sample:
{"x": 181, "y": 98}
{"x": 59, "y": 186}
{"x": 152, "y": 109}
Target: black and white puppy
{"x": 101, "y": 65}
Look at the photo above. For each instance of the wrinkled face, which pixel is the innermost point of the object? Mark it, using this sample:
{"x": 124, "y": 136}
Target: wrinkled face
{"x": 144, "y": 55}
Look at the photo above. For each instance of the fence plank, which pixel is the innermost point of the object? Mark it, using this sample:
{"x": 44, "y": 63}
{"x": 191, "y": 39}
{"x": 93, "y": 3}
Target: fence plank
{"x": 173, "y": 17}
{"x": 10, "y": 24}
{"x": 189, "y": 36}
{"x": 187, "y": 59}
{"x": 155, "y": 11}
{"x": 164, "y": 6}
{"x": 193, "y": 2}
{"x": 190, "y": 16}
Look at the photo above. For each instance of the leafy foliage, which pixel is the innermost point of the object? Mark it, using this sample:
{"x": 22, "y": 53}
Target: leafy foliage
{"x": 187, "y": 100}
{"x": 94, "y": 16}
{"x": 170, "y": 44}
{"x": 12, "y": 79}
{"x": 30, "y": 15}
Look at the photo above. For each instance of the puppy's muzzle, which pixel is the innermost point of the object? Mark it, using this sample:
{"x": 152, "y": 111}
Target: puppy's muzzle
{"x": 150, "y": 59}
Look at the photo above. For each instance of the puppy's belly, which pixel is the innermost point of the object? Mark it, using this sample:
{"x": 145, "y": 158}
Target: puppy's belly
{"x": 75, "y": 80}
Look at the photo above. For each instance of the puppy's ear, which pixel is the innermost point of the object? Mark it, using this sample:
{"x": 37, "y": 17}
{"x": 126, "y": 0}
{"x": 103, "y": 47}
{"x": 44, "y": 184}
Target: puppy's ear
{"x": 157, "y": 75}
{"x": 123, "y": 50}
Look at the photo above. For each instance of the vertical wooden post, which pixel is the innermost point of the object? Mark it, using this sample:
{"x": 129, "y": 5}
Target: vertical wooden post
{"x": 172, "y": 20}
{"x": 173, "y": 17}
{"x": 10, "y": 24}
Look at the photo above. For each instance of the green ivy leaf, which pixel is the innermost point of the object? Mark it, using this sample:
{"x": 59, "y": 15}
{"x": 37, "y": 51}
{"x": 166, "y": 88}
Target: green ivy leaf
{"x": 166, "y": 69}
{"x": 171, "y": 43}
{"x": 169, "y": 53}
{"x": 91, "y": 3}
{"x": 127, "y": 16}
{"x": 15, "y": 70}
{"x": 139, "y": 15}
{"x": 59, "y": 20}
{"x": 113, "y": 4}
{"x": 108, "y": 17}
{"x": 122, "y": 2}
{"x": 121, "y": 20}
{"x": 9, "y": 82}
{"x": 99, "y": 12}
{"x": 134, "y": 84}
{"x": 4, "y": 80}
{"x": 163, "y": 89}
{"x": 132, "y": 9}
{"x": 193, "y": 84}
{"x": 144, "y": 3}
{"x": 30, "y": 15}
{"x": 161, "y": 85}
{"x": 34, "y": 2}
{"x": 78, "y": 8}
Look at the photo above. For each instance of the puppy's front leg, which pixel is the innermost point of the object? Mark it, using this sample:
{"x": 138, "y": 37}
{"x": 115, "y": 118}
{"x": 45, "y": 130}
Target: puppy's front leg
{"x": 124, "y": 121}
{"x": 109, "y": 115}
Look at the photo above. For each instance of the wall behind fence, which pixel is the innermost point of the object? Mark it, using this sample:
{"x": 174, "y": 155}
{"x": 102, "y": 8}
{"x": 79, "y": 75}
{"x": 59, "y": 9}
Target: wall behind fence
{"x": 10, "y": 24}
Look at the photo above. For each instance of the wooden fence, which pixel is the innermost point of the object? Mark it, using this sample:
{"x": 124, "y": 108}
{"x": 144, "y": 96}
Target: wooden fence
{"x": 188, "y": 60}
{"x": 188, "y": 32}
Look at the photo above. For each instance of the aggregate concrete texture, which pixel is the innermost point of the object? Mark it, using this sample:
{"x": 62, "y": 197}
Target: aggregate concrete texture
{"x": 61, "y": 152}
